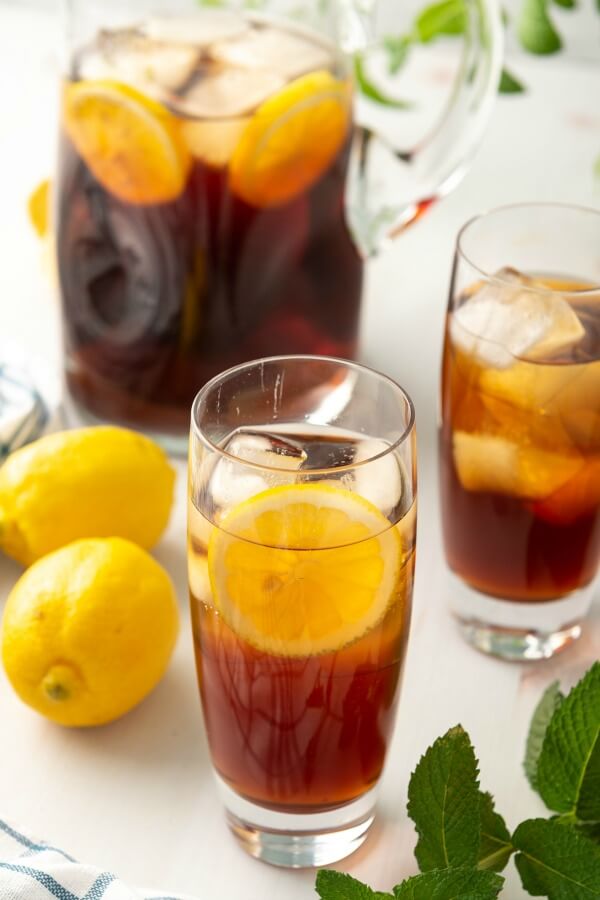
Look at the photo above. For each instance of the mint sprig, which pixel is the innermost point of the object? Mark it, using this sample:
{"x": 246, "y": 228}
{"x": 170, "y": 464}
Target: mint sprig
{"x": 463, "y": 842}
{"x": 397, "y": 49}
{"x": 495, "y": 847}
{"x": 535, "y": 29}
{"x": 450, "y": 884}
{"x": 447, "y": 17}
{"x": 339, "y": 886}
{"x": 568, "y": 769}
{"x": 369, "y": 89}
{"x": 443, "y": 802}
{"x": 510, "y": 84}
{"x": 446, "y": 884}
{"x": 556, "y": 862}
{"x": 551, "y": 700}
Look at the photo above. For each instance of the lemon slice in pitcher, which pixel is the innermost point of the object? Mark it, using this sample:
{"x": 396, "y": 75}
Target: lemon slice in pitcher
{"x": 38, "y": 206}
{"x": 131, "y": 143}
{"x": 304, "y": 569}
{"x": 291, "y": 139}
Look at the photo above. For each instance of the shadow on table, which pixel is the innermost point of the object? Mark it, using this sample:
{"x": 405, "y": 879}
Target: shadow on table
{"x": 386, "y": 858}
{"x": 164, "y": 733}
{"x": 571, "y": 665}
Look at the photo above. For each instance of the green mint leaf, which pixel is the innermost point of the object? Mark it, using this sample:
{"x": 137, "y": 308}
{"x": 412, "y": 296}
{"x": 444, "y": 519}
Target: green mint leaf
{"x": 450, "y": 884}
{"x": 590, "y": 830}
{"x": 443, "y": 802}
{"x": 397, "y": 49}
{"x": 551, "y": 700}
{"x": 509, "y": 84}
{"x": 568, "y": 770}
{"x": 370, "y": 90}
{"x": 338, "y": 886}
{"x": 495, "y": 848}
{"x": 566, "y": 4}
{"x": 555, "y": 861}
{"x": 588, "y": 803}
{"x": 446, "y": 17}
{"x": 534, "y": 28}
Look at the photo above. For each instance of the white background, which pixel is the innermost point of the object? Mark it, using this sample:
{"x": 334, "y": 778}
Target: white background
{"x": 137, "y": 796}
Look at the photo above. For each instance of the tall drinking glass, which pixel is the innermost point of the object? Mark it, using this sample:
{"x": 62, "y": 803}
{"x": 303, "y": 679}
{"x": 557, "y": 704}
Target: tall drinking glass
{"x": 301, "y": 542}
{"x": 520, "y": 433}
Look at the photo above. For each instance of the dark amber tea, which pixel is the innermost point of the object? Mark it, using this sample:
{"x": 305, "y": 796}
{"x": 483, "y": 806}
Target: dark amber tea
{"x": 520, "y": 440}
{"x": 300, "y": 598}
{"x": 295, "y": 733}
{"x": 201, "y": 210}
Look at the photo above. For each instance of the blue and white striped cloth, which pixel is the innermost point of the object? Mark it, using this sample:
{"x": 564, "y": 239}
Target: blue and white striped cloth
{"x": 34, "y": 870}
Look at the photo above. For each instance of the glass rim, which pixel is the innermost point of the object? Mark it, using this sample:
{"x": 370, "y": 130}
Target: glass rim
{"x": 304, "y": 357}
{"x": 508, "y": 207}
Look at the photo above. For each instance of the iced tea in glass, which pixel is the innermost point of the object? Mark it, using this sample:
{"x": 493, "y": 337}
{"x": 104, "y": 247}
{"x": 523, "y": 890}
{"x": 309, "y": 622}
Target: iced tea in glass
{"x": 520, "y": 434}
{"x": 301, "y": 555}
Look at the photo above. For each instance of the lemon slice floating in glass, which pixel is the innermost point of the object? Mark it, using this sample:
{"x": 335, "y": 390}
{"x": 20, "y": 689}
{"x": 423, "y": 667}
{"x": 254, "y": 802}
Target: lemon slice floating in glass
{"x": 304, "y": 569}
{"x": 131, "y": 143}
{"x": 291, "y": 139}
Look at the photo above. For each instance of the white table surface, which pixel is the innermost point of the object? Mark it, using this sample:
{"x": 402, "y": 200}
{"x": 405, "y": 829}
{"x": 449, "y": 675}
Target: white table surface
{"x": 137, "y": 796}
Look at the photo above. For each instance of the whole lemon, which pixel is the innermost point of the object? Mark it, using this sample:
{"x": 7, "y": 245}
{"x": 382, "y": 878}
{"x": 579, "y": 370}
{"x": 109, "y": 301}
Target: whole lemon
{"x": 90, "y": 482}
{"x": 88, "y": 631}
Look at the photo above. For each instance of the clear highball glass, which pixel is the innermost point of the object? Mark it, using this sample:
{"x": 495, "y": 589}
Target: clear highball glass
{"x": 301, "y": 539}
{"x": 520, "y": 428}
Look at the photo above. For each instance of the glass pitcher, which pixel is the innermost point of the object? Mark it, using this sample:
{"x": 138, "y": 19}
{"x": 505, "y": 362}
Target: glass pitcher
{"x": 225, "y": 171}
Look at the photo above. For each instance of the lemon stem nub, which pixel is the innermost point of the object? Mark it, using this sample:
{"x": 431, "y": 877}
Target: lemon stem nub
{"x": 60, "y": 683}
{"x": 56, "y": 691}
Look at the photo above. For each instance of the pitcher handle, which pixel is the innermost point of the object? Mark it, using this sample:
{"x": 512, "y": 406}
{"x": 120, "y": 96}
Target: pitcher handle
{"x": 436, "y": 163}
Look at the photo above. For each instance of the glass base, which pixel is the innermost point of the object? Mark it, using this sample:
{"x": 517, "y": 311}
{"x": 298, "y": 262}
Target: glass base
{"x": 77, "y": 416}
{"x": 298, "y": 840}
{"x": 514, "y": 630}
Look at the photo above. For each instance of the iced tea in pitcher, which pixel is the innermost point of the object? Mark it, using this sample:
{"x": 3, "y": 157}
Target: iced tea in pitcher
{"x": 200, "y": 209}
